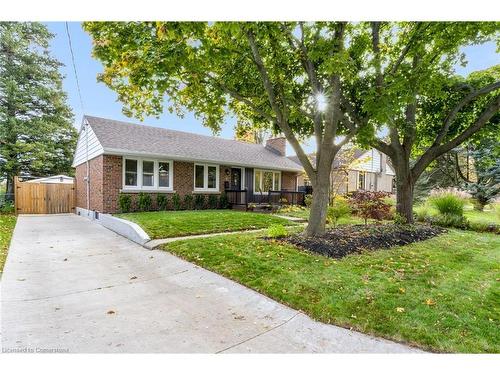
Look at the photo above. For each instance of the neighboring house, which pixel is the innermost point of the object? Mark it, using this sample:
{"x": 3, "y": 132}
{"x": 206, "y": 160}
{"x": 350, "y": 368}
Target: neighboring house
{"x": 354, "y": 169}
{"x": 58, "y": 179}
{"x": 129, "y": 158}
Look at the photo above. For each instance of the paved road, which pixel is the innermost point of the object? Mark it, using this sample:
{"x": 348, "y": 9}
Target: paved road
{"x": 71, "y": 284}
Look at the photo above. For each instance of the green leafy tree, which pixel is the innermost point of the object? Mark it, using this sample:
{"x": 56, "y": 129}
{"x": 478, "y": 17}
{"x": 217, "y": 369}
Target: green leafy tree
{"x": 36, "y": 132}
{"x": 329, "y": 80}
{"x": 485, "y": 187}
{"x": 284, "y": 77}
{"x": 412, "y": 71}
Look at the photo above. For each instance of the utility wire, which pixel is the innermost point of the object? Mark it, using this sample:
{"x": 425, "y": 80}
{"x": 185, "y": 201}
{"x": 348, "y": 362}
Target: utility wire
{"x": 74, "y": 68}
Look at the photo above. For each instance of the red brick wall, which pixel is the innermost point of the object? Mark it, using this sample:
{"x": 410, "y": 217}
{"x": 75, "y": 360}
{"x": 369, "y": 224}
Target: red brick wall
{"x": 183, "y": 177}
{"x": 106, "y": 182}
{"x": 112, "y": 182}
{"x": 96, "y": 184}
{"x": 289, "y": 180}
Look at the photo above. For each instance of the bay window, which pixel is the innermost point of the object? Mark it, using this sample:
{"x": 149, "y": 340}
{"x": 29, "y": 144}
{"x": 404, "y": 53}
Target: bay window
{"x": 206, "y": 177}
{"x": 147, "y": 175}
{"x": 266, "y": 180}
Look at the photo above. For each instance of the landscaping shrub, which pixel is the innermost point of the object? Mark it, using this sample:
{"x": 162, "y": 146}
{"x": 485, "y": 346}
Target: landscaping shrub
{"x": 7, "y": 207}
{"x": 213, "y": 201}
{"x": 188, "y": 202}
{"x": 144, "y": 202}
{"x": 447, "y": 203}
{"x": 223, "y": 202}
{"x": 124, "y": 201}
{"x": 161, "y": 201}
{"x": 484, "y": 227}
{"x": 199, "y": 201}
{"x": 277, "y": 231}
{"x": 308, "y": 199}
{"x": 176, "y": 202}
{"x": 338, "y": 208}
{"x": 370, "y": 205}
{"x": 422, "y": 213}
{"x": 449, "y": 220}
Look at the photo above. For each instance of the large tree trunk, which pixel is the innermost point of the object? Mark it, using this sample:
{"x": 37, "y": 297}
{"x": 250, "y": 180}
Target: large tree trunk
{"x": 9, "y": 188}
{"x": 404, "y": 193}
{"x": 319, "y": 206}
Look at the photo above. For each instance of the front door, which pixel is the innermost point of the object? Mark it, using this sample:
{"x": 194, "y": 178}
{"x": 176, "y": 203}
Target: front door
{"x": 236, "y": 179}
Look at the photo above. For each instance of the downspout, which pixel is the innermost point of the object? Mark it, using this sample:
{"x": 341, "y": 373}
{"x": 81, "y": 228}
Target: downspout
{"x": 87, "y": 177}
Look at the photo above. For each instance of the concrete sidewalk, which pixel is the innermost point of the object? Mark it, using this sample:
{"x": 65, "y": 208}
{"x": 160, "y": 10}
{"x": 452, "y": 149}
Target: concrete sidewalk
{"x": 71, "y": 284}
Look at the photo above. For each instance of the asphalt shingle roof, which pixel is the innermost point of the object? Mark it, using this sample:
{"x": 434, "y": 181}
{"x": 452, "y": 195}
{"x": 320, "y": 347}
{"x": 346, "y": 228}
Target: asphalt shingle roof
{"x": 123, "y": 137}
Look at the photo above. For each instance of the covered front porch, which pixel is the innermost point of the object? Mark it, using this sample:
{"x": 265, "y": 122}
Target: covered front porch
{"x": 244, "y": 199}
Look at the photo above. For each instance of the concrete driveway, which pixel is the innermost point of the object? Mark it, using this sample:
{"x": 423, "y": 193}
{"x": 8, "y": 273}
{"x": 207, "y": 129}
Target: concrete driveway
{"x": 71, "y": 285}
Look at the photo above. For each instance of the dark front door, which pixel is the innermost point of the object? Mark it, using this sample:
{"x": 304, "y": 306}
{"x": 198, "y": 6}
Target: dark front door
{"x": 236, "y": 179}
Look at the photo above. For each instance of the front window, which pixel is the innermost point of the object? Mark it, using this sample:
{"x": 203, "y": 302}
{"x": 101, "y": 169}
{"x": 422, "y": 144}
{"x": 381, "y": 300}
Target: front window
{"x": 151, "y": 175}
{"x": 266, "y": 180}
{"x": 199, "y": 177}
{"x": 212, "y": 177}
{"x": 206, "y": 177}
{"x": 361, "y": 180}
{"x": 130, "y": 172}
{"x": 148, "y": 172}
{"x": 164, "y": 174}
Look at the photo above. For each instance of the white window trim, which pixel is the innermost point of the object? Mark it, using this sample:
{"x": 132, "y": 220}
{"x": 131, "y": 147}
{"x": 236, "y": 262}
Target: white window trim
{"x": 205, "y": 177}
{"x": 156, "y": 179}
{"x": 256, "y": 191}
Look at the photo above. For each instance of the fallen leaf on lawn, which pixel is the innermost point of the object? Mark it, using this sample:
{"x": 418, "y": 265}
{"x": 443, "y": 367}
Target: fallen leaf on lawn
{"x": 430, "y": 302}
{"x": 110, "y": 312}
{"x": 402, "y": 290}
{"x": 354, "y": 316}
{"x": 400, "y": 309}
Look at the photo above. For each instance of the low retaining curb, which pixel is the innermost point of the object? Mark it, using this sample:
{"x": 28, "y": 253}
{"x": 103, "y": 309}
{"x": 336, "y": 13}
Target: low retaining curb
{"x": 126, "y": 228}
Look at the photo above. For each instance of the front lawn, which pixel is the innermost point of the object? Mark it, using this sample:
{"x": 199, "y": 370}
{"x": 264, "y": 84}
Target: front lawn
{"x": 165, "y": 224}
{"x": 7, "y": 224}
{"x": 441, "y": 294}
{"x": 303, "y": 213}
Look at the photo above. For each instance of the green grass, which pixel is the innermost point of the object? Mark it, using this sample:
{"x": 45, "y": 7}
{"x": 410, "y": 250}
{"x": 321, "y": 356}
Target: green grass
{"x": 303, "y": 213}
{"x": 474, "y": 216}
{"x": 7, "y": 224}
{"x": 482, "y": 217}
{"x": 442, "y": 294}
{"x": 165, "y": 224}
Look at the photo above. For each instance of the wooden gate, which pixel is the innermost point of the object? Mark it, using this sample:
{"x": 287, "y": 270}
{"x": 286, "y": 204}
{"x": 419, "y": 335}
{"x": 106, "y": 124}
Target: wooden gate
{"x": 43, "y": 198}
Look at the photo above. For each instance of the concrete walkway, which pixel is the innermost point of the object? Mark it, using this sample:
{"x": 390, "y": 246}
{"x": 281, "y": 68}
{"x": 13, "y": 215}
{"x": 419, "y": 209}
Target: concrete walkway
{"x": 70, "y": 284}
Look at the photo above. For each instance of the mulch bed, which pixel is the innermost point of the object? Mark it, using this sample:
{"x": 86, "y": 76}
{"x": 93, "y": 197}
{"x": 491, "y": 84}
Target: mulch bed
{"x": 348, "y": 239}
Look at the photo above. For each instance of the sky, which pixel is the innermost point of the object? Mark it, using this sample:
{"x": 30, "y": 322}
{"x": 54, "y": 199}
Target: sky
{"x": 99, "y": 100}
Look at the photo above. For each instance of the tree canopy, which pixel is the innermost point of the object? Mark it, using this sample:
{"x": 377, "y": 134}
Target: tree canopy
{"x": 37, "y": 136}
{"x": 329, "y": 80}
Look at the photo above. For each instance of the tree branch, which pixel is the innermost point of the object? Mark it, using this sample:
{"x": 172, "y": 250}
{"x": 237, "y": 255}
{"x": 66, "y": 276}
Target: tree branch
{"x": 438, "y": 150}
{"x": 281, "y": 121}
{"x": 454, "y": 112}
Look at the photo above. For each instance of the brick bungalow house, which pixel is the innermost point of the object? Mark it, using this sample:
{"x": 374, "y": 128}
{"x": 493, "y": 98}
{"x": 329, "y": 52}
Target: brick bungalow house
{"x": 355, "y": 169}
{"x": 114, "y": 157}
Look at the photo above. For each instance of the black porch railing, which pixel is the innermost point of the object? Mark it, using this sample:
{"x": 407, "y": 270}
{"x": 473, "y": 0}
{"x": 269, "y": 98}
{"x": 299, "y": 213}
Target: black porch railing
{"x": 282, "y": 197}
{"x": 237, "y": 197}
{"x": 273, "y": 197}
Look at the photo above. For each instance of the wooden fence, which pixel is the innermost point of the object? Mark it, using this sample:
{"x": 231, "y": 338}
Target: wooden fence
{"x": 43, "y": 198}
